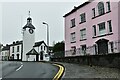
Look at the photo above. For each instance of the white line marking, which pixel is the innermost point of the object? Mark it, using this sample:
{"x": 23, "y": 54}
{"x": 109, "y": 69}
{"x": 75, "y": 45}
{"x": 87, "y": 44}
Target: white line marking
{"x": 20, "y": 67}
{"x": 0, "y": 78}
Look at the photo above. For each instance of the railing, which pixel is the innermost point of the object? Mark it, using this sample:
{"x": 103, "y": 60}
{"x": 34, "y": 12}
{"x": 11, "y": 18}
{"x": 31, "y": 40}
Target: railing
{"x": 93, "y": 50}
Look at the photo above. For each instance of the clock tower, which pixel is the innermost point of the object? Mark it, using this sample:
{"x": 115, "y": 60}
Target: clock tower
{"x": 28, "y": 38}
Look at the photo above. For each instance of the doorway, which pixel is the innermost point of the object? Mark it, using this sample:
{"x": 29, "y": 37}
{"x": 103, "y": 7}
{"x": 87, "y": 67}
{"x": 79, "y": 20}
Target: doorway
{"x": 102, "y": 46}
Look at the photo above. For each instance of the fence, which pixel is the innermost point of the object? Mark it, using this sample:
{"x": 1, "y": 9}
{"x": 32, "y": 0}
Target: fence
{"x": 90, "y": 56}
{"x": 113, "y": 47}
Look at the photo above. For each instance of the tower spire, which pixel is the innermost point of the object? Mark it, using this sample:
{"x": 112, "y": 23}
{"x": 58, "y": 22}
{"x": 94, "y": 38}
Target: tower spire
{"x": 29, "y": 13}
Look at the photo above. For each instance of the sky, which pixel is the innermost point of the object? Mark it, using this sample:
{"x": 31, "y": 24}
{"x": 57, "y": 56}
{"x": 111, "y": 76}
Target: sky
{"x": 14, "y": 16}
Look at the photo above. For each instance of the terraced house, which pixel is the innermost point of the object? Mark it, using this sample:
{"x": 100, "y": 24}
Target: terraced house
{"x": 93, "y": 28}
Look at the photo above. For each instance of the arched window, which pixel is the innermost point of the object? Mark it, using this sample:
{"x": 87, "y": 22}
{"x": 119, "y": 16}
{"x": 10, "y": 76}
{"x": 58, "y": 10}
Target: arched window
{"x": 101, "y": 8}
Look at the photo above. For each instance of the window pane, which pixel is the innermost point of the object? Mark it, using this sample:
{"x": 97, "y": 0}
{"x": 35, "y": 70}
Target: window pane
{"x": 93, "y": 12}
{"x": 109, "y": 26}
{"x": 101, "y": 8}
{"x": 73, "y": 22}
{"x": 17, "y": 48}
{"x": 101, "y": 28}
{"x": 72, "y": 37}
{"x": 82, "y": 34}
{"x": 108, "y": 6}
{"x": 82, "y": 17}
{"x": 94, "y": 30}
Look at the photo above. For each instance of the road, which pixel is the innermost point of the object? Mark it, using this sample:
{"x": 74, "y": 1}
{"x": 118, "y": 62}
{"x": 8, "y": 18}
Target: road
{"x": 33, "y": 70}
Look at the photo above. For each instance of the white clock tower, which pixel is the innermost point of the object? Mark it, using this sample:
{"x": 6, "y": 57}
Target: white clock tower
{"x": 28, "y": 38}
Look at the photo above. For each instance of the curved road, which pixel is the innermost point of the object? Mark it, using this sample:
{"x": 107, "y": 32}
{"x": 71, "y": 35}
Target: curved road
{"x": 34, "y": 70}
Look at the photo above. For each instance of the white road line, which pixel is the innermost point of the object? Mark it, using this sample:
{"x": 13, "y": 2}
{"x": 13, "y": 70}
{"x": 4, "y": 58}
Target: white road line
{"x": 20, "y": 67}
{"x": 0, "y": 78}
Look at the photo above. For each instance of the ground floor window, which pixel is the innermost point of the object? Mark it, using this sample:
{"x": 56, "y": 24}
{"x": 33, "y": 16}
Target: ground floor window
{"x": 83, "y": 47}
{"x": 111, "y": 46}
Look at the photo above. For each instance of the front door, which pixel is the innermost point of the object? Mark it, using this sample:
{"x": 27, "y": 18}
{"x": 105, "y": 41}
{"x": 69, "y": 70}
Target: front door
{"x": 37, "y": 57}
{"x": 102, "y": 46}
{"x": 41, "y": 55}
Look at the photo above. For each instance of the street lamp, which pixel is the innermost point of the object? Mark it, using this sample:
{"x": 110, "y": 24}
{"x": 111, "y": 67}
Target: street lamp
{"x": 47, "y": 36}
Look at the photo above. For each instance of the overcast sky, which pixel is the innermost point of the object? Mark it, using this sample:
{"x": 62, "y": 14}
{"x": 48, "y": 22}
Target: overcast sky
{"x": 14, "y": 15}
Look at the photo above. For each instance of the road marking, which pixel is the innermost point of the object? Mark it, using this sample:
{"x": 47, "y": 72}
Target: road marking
{"x": 60, "y": 72}
{"x": 0, "y": 78}
{"x": 20, "y": 67}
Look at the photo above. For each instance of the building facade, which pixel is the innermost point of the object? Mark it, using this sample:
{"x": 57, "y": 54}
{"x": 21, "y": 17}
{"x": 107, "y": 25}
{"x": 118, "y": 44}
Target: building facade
{"x": 41, "y": 48}
{"x": 16, "y": 50}
{"x": 93, "y": 28}
{"x": 5, "y": 53}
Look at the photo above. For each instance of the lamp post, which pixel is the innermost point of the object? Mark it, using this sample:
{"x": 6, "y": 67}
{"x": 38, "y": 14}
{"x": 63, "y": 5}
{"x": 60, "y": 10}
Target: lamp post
{"x": 47, "y": 36}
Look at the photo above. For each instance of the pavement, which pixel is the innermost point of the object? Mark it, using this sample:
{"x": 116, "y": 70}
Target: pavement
{"x": 83, "y": 71}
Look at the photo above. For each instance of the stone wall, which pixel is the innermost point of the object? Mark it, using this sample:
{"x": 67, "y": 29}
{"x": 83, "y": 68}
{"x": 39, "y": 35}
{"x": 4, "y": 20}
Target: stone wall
{"x": 109, "y": 60}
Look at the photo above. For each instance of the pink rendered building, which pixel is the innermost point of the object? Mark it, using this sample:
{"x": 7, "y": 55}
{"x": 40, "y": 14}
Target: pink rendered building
{"x": 93, "y": 28}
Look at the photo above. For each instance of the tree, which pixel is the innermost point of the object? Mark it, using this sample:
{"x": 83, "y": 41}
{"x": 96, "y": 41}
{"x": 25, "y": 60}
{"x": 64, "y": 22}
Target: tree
{"x": 58, "y": 47}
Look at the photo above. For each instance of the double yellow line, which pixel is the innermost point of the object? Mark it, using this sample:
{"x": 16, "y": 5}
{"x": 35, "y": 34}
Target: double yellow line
{"x": 60, "y": 72}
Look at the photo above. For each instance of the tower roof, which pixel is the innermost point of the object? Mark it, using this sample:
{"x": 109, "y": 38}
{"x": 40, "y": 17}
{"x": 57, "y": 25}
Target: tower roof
{"x": 32, "y": 52}
{"x": 29, "y": 23}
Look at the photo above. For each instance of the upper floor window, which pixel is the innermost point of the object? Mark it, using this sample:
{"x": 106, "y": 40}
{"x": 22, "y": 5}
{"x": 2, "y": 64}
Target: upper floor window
{"x": 73, "y": 37}
{"x": 93, "y": 12}
{"x": 17, "y": 48}
{"x": 44, "y": 47}
{"x": 101, "y": 8}
{"x": 82, "y": 18}
{"x": 101, "y": 28}
{"x": 41, "y": 48}
{"x": 94, "y": 30}
{"x": 73, "y": 23}
{"x": 108, "y": 6}
{"x": 109, "y": 25}
{"x": 82, "y": 34}
{"x": 13, "y": 49}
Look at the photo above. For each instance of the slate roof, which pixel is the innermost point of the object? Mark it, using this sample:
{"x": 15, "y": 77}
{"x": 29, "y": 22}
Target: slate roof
{"x": 7, "y": 47}
{"x": 29, "y": 24}
{"x": 32, "y": 52}
{"x": 37, "y": 44}
{"x": 76, "y": 8}
{"x": 16, "y": 43}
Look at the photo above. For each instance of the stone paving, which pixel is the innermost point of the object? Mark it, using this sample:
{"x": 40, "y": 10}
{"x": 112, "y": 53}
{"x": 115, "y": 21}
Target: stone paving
{"x": 84, "y": 71}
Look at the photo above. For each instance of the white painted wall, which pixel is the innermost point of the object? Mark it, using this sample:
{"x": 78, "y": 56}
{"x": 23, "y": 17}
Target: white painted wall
{"x": 31, "y": 57}
{"x": 45, "y": 55}
{"x": 15, "y": 51}
{"x": 28, "y": 42}
{"x": 4, "y": 54}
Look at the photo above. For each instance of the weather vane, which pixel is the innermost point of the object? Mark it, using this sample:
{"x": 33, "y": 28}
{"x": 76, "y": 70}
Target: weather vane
{"x": 29, "y": 13}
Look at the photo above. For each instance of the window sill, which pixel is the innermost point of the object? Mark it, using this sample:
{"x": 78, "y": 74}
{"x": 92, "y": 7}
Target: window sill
{"x": 73, "y": 42}
{"x": 72, "y": 26}
{"x": 83, "y": 39}
{"x": 102, "y": 35}
{"x": 101, "y": 15}
{"x": 82, "y": 22}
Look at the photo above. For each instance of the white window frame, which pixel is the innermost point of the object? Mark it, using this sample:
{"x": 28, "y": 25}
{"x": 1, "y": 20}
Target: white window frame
{"x": 82, "y": 34}
{"x": 103, "y": 31}
{"x": 109, "y": 25}
{"x": 73, "y": 37}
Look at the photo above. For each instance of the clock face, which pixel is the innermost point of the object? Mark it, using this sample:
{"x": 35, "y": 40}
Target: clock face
{"x": 31, "y": 31}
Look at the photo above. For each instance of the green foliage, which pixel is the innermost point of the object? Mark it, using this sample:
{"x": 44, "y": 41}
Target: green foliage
{"x": 58, "y": 47}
